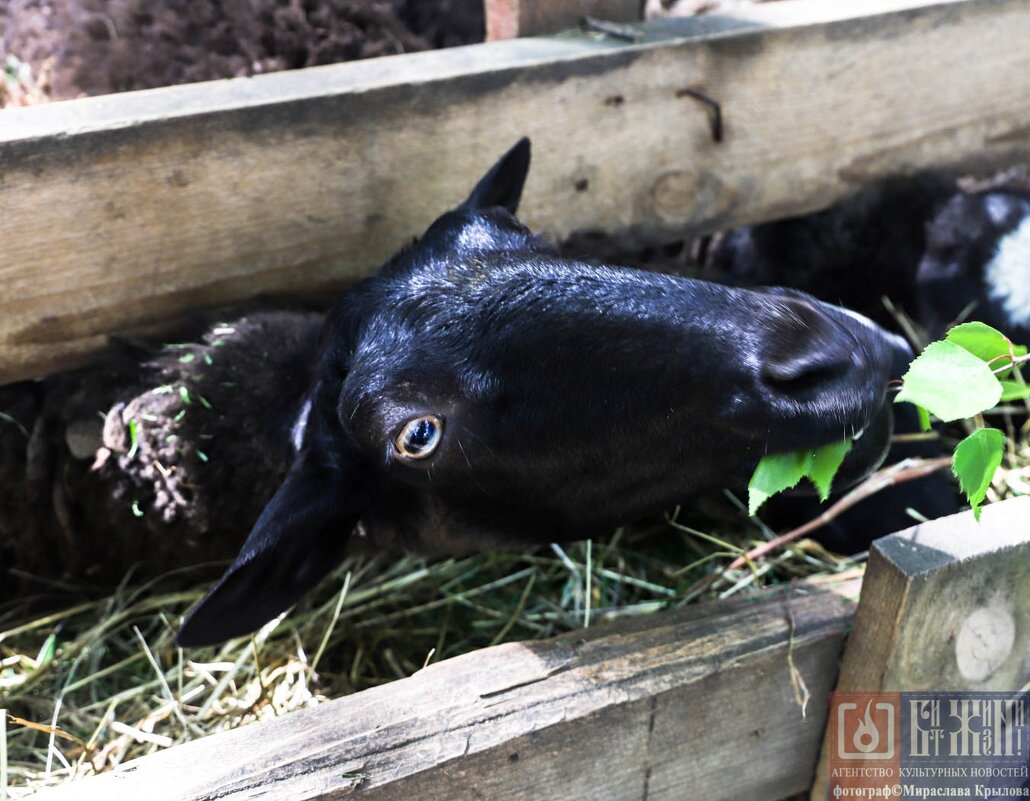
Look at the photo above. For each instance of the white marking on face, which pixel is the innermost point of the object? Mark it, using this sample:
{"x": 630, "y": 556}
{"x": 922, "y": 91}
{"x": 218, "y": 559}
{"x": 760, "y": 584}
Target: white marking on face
{"x": 300, "y": 425}
{"x": 1007, "y": 275}
{"x": 475, "y": 237}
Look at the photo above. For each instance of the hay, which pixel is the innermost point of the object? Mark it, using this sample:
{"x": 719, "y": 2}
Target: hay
{"x": 89, "y": 687}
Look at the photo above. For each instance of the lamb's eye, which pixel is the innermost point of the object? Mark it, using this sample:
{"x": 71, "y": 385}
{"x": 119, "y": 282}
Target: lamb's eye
{"x": 420, "y": 437}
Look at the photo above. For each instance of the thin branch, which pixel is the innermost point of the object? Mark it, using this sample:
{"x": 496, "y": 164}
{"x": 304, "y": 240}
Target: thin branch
{"x": 906, "y": 470}
{"x": 1015, "y": 362}
{"x": 921, "y": 436}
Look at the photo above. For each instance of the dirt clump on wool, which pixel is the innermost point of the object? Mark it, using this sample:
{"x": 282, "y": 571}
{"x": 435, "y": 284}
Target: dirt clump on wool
{"x": 129, "y": 467}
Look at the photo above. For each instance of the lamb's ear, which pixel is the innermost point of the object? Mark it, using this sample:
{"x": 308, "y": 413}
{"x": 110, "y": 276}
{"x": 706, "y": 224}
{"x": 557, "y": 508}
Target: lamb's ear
{"x": 502, "y": 185}
{"x": 299, "y": 538}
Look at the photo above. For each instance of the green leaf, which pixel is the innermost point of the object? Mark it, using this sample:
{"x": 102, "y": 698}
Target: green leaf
{"x": 950, "y": 382}
{"x": 1014, "y": 390}
{"x": 986, "y": 343}
{"x": 980, "y": 339}
{"x": 975, "y": 460}
{"x": 776, "y": 472}
{"x": 825, "y": 463}
{"x": 924, "y": 419}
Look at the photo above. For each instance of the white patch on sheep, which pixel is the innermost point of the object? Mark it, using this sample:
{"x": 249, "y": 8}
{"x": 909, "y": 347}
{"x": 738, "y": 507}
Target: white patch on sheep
{"x": 1008, "y": 274}
{"x": 300, "y": 425}
{"x": 475, "y": 236}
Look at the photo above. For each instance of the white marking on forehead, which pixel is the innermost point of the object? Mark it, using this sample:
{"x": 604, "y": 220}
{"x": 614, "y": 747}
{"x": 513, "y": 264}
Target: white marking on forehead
{"x": 300, "y": 425}
{"x": 475, "y": 236}
{"x": 1008, "y": 274}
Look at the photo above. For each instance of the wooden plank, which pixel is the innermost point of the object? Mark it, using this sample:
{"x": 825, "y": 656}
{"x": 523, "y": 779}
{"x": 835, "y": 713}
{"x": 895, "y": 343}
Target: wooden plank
{"x": 508, "y": 19}
{"x": 695, "y": 703}
{"x": 125, "y": 210}
{"x": 945, "y": 606}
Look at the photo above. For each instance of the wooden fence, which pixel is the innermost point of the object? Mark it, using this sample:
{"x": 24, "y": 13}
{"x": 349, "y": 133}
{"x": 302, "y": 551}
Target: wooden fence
{"x": 122, "y": 211}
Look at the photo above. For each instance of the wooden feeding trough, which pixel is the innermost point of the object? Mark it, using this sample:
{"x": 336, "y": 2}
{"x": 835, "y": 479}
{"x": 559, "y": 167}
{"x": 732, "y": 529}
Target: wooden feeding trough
{"x": 120, "y": 212}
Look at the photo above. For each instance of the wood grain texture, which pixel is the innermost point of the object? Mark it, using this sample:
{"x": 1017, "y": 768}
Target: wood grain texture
{"x": 945, "y": 606}
{"x": 507, "y": 19}
{"x": 696, "y": 703}
{"x": 125, "y": 210}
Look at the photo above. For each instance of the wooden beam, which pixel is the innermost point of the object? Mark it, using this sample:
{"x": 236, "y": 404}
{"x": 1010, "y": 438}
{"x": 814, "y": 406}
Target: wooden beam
{"x": 695, "y": 703}
{"x": 125, "y": 210}
{"x": 508, "y": 19}
{"x": 945, "y": 606}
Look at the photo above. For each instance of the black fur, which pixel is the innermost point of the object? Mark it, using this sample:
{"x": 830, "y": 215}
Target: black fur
{"x": 574, "y": 398}
{"x": 853, "y": 253}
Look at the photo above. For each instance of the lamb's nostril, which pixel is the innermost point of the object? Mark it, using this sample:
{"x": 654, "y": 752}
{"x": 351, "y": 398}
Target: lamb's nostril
{"x": 808, "y": 356}
{"x": 809, "y": 348}
{"x": 805, "y": 369}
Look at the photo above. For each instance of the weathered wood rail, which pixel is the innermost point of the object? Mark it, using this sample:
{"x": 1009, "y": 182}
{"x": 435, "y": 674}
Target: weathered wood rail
{"x": 122, "y": 211}
{"x": 696, "y": 703}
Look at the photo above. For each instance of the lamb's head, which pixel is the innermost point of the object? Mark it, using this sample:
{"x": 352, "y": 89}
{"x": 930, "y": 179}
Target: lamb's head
{"x": 977, "y": 263}
{"x": 481, "y": 391}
